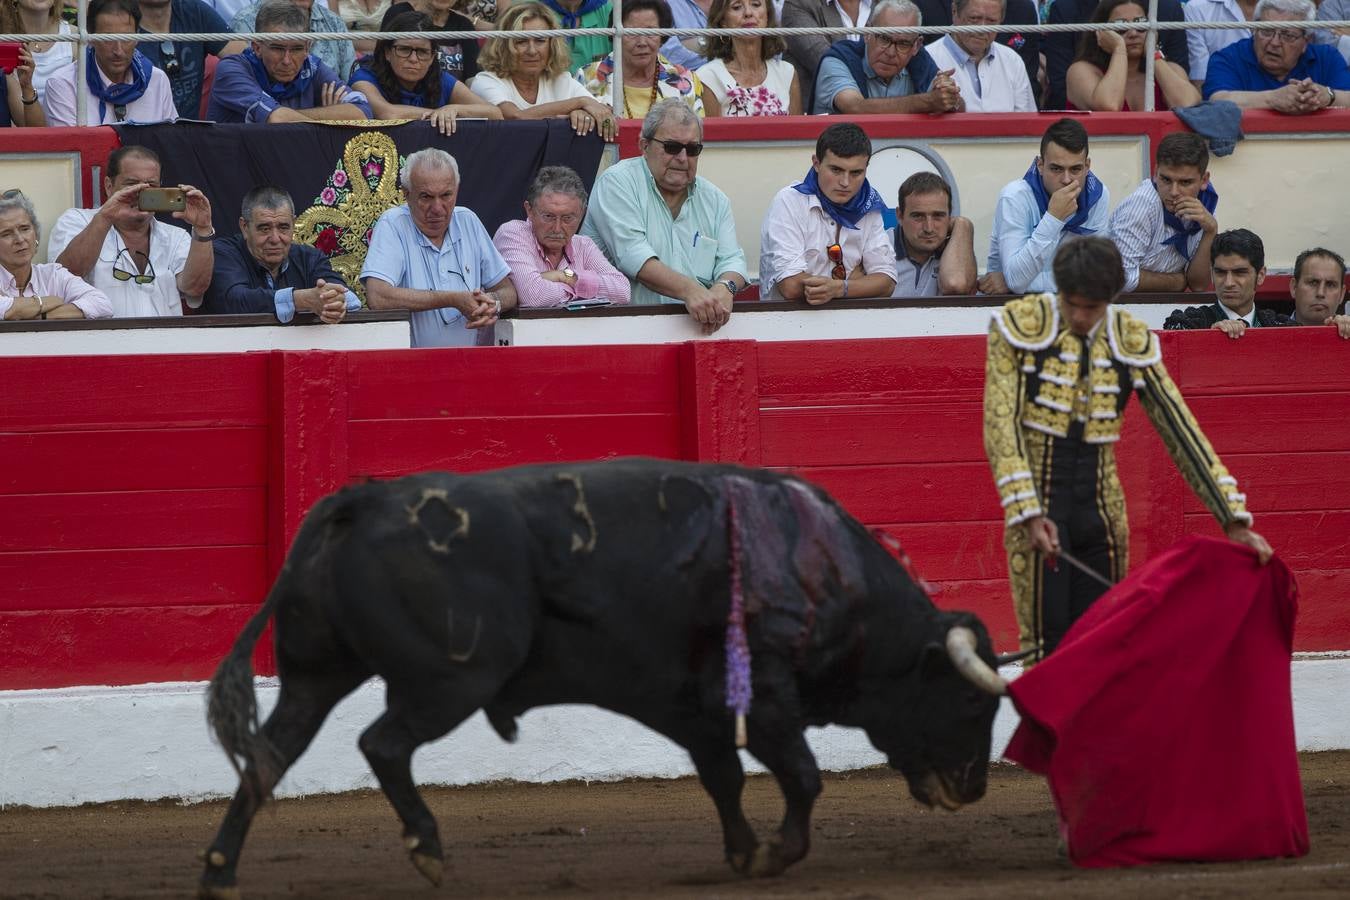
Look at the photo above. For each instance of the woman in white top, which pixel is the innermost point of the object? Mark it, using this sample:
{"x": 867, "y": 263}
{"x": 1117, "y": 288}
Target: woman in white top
{"x": 742, "y": 72}
{"x": 361, "y": 15}
{"x": 527, "y": 77}
{"x": 42, "y": 17}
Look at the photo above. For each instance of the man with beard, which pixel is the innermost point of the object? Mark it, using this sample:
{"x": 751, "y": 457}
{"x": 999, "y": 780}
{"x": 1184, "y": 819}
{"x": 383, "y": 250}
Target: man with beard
{"x": 934, "y": 250}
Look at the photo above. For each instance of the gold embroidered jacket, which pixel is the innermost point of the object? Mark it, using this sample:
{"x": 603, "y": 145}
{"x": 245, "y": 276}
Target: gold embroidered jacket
{"x": 1032, "y": 381}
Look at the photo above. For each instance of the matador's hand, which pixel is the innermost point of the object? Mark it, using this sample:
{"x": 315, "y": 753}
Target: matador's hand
{"x": 1241, "y": 534}
{"x": 1043, "y": 535}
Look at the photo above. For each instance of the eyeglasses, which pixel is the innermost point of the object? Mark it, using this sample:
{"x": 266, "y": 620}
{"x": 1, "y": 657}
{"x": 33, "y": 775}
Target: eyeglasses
{"x": 1137, "y": 20}
{"x": 898, "y": 45}
{"x": 673, "y": 148}
{"x": 11, "y": 194}
{"x": 1287, "y": 35}
{"x": 129, "y": 273}
{"x": 403, "y": 51}
{"x": 171, "y": 65}
{"x": 836, "y": 254}
{"x": 567, "y": 219}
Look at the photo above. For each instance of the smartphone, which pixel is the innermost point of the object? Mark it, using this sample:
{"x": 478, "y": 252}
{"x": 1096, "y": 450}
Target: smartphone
{"x": 9, "y": 57}
{"x": 162, "y": 199}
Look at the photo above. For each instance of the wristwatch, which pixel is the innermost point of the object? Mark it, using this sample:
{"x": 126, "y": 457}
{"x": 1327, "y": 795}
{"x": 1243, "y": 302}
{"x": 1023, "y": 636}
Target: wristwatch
{"x": 730, "y": 285}
{"x": 569, "y": 272}
{"x": 204, "y": 238}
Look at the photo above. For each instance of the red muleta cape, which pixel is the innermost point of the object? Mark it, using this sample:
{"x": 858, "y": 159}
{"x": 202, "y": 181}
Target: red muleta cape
{"x": 1164, "y": 721}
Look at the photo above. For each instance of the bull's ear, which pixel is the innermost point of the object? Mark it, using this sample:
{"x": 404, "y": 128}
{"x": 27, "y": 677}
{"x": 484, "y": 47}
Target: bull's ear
{"x": 933, "y": 660}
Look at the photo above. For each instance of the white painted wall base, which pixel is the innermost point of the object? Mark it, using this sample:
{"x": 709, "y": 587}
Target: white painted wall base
{"x": 97, "y": 744}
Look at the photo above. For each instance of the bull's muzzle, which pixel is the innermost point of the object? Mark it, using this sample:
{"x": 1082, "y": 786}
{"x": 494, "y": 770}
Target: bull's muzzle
{"x": 961, "y": 649}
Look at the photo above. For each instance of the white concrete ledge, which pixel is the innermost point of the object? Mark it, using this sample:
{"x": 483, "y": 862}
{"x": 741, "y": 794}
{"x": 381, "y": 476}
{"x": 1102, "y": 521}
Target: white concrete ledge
{"x": 97, "y": 744}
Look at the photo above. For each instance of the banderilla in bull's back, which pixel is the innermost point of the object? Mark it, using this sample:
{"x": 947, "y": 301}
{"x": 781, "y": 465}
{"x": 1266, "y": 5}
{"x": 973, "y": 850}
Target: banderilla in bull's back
{"x": 737, "y": 593}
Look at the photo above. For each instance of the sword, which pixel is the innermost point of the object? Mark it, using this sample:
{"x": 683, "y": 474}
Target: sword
{"x": 1084, "y": 568}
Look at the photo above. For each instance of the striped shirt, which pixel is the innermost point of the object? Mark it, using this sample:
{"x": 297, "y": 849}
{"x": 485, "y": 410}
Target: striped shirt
{"x": 1138, "y": 229}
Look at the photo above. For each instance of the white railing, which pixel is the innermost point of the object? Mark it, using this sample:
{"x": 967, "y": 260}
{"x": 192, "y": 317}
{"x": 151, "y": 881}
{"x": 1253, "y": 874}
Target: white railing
{"x": 83, "y": 37}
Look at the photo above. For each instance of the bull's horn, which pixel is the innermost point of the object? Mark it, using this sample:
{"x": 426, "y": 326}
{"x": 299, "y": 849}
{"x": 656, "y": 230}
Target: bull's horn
{"x": 961, "y": 649}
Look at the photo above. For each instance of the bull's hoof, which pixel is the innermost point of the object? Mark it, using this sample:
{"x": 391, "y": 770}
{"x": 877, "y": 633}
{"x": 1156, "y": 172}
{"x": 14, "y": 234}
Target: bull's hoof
{"x": 218, "y": 892}
{"x": 739, "y": 862}
{"x": 767, "y": 860}
{"x": 431, "y": 867}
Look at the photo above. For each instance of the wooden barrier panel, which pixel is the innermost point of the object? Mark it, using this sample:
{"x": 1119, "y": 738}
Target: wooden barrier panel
{"x": 146, "y": 501}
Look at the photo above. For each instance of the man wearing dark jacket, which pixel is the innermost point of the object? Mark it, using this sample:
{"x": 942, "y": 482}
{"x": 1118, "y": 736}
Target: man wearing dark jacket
{"x": 1238, "y": 262}
{"x": 260, "y": 270}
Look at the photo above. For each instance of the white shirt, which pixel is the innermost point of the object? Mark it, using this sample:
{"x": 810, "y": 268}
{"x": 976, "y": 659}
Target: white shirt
{"x": 1249, "y": 318}
{"x": 50, "y": 61}
{"x": 496, "y": 90}
{"x": 1137, "y": 228}
{"x": 169, "y": 248}
{"x": 155, "y": 105}
{"x": 998, "y": 83}
{"x": 1201, "y": 44}
{"x": 796, "y": 233}
{"x": 864, "y": 13}
{"x": 778, "y": 79}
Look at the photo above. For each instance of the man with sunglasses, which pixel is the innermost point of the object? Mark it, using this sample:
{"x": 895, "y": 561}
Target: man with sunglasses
{"x": 824, "y": 237}
{"x": 184, "y": 61}
{"x": 669, "y": 230}
{"x": 889, "y": 73}
{"x": 146, "y": 268}
{"x": 281, "y": 81}
{"x": 1280, "y": 69}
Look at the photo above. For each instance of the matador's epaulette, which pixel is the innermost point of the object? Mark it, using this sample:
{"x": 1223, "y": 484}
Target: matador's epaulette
{"x": 1131, "y": 341}
{"x": 1029, "y": 323}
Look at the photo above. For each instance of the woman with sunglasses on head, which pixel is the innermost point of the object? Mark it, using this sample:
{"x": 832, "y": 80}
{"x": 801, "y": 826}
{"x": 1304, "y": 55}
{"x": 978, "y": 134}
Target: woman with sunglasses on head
{"x": 1108, "y": 74}
{"x": 526, "y": 77}
{"x": 648, "y": 77}
{"x": 745, "y": 73}
{"x": 41, "y": 290}
{"x": 403, "y": 80}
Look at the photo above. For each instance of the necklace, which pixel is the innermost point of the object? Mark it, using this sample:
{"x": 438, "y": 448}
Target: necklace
{"x": 656, "y": 79}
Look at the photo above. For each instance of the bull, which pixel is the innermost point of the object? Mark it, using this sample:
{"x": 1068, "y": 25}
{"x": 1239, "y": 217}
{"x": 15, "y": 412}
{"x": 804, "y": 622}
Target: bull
{"x": 714, "y": 604}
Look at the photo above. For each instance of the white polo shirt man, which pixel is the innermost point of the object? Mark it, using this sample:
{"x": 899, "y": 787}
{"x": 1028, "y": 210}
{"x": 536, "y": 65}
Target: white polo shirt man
{"x": 153, "y": 292}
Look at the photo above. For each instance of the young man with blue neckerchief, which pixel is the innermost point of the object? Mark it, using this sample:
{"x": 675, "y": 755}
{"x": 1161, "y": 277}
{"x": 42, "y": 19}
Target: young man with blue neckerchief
{"x": 824, "y": 237}
{"x": 1058, "y": 198}
{"x": 281, "y": 81}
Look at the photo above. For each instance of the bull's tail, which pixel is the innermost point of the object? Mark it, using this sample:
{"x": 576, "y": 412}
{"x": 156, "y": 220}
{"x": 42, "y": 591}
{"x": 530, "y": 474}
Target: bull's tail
{"x": 232, "y": 708}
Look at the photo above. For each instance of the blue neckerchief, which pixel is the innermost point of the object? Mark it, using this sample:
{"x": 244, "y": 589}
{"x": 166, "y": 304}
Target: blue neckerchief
{"x": 1182, "y": 230}
{"x": 275, "y": 89}
{"x": 572, "y": 19}
{"x": 120, "y": 94}
{"x": 1087, "y": 198}
{"x": 865, "y": 201}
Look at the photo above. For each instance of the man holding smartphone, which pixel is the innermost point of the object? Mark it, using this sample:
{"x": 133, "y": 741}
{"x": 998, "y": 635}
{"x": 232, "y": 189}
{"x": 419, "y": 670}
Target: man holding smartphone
{"x": 145, "y": 267}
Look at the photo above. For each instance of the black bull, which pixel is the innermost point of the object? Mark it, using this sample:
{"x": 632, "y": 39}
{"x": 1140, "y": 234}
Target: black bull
{"x": 611, "y": 584}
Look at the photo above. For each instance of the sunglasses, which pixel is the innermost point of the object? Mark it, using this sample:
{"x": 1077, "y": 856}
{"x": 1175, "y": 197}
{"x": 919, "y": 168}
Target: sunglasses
{"x": 129, "y": 273}
{"x": 836, "y": 254}
{"x": 673, "y": 148}
{"x": 169, "y": 60}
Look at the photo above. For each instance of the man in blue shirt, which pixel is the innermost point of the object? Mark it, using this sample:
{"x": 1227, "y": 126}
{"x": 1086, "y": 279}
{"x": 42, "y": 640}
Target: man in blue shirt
{"x": 437, "y": 260}
{"x": 280, "y": 81}
{"x": 1280, "y": 69}
{"x": 261, "y": 270}
{"x": 340, "y": 55}
{"x": 184, "y": 61}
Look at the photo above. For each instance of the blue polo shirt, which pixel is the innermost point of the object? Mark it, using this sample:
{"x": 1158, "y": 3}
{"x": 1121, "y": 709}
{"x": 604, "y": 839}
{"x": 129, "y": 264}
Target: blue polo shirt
{"x": 1236, "y": 68}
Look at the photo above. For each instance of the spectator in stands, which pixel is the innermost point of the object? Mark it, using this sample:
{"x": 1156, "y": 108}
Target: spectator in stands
{"x": 40, "y": 17}
{"x": 526, "y": 77}
{"x": 146, "y": 268}
{"x": 552, "y": 265}
{"x": 670, "y": 231}
{"x": 403, "y": 80}
{"x": 1238, "y": 261}
{"x": 436, "y": 259}
{"x": 824, "y": 237}
{"x": 804, "y": 51}
{"x": 281, "y": 81}
{"x": 1108, "y": 74}
{"x": 362, "y": 15}
{"x": 184, "y": 61}
{"x": 1280, "y": 69}
{"x": 990, "y": 75}
{"x": 482, "y": 13}
{"x": 226, "y": 9}
{"x": 1055, "y": 200}
{"x": 1165, "y": 228}
{"x": 1027, "y": 45}
{"x": 1318, "y": 289}
{"x": 885, "y": 73}
{"x": 459, "y": 58}
{"x": 647, "y": 75}
{"x": 120, "y": 83}
{"x": 585, "y": 49}
{"x": 934, "y": 250}
{"x": 21, "y": 107}
{"x": 261, "y": 269}
{"x": 691, "y": 51}
{"x": 1062, "y": 47}
{"x": 31, "y": 290}
{"x": 339, "y": 55}
{"x": 744, "y": 73}
{"x": 1204, "y": 43}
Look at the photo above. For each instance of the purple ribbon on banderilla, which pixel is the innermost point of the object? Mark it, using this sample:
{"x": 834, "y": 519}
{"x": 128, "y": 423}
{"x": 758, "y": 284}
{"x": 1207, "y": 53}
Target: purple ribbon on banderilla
{"x": 739, "y": 690}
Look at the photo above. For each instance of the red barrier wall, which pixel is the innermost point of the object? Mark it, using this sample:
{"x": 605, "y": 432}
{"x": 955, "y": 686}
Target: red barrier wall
{"x": 146, "y": 501}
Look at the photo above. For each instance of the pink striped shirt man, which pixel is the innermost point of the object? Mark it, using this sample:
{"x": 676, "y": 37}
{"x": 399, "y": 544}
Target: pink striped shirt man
{"x": 595, "y": 276}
